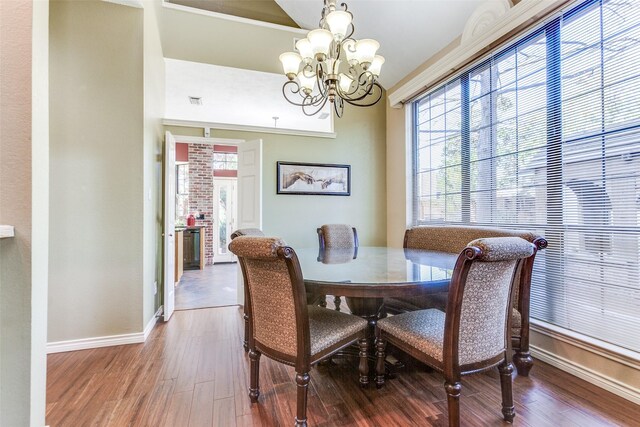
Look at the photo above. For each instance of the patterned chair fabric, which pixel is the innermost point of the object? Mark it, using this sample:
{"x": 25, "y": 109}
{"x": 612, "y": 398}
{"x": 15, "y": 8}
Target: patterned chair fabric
{"x": 337, "y": 236}
{"x": 453, "y": 239}
{"x": 282, "y": 326}
{"x": 484, "y": 302}
{"x": 269, "y": 286}
{"x": 247, "y": 232}
{"x": 472, "y": 334}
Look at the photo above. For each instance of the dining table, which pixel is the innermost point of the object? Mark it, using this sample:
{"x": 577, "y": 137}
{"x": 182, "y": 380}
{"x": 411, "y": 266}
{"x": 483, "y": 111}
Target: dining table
{"x": 366, "y": 275}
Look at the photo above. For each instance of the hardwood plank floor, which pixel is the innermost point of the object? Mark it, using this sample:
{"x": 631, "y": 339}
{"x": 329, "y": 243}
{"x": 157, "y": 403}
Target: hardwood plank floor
{"x": 193, "y": 372}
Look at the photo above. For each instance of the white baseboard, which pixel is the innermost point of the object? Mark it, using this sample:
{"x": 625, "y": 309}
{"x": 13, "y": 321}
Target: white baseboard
{"x": 152, "y": 322}
{"x": 108, "y": 341}
{"x": 94, "y": 342}
{"x": 596, "y": 378}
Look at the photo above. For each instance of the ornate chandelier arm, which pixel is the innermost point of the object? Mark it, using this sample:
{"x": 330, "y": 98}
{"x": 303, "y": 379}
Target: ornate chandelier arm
{"x": 305, "y": 100}
{"x": 375, "y": 93}
{"x": 338, "y": 107}
{"x": 365, "y": 86}
{"x": 315, "y": 110}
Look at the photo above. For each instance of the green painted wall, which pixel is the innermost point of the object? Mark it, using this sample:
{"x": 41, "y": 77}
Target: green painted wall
{"x": 96, "y": 170}
{"x": 360, "y": 142}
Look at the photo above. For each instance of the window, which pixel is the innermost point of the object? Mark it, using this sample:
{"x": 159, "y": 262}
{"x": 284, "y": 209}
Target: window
{"x": 182, "y": 190}
{"x": 545, "y": 135}
{"x": 225, "y": 161}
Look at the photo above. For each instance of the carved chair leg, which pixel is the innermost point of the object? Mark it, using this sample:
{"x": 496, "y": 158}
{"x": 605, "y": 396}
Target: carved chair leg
{"x": 254, "y": 386}
{"x": 508, "y": 410}
{"x": 380, "y": 348}
{"x": 453, "y": 402}
{"x": 363, "y": 343}
{"x": 337, "y": 301}
{"x": 523, "y": 361}
{"x": 245, "y": 342}
{"x": 302, "y": 380}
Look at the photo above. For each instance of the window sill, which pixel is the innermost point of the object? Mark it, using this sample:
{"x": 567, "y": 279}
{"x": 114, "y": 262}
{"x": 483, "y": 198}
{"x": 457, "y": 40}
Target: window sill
{"x": 618, "y": 354}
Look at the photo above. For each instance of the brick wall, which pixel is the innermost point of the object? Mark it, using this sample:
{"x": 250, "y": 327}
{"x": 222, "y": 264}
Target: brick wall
{"x": 201, "y": 191}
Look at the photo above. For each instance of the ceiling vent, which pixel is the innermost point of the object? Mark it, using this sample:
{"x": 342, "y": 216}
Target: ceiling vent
{"x": 195, "y": 100}
{"x": 323, "y": 116}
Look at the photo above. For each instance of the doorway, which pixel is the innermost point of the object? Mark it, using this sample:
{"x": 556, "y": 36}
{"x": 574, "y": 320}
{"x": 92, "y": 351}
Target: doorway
{"x": 217, "y": 204}
{"x": 225, "y": 214}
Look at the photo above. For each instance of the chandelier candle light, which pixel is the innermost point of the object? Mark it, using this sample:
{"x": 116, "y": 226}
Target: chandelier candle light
{"x": 343, "y": 68}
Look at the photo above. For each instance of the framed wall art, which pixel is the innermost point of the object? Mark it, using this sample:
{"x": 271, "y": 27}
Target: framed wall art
{"x": 313, "y": 178}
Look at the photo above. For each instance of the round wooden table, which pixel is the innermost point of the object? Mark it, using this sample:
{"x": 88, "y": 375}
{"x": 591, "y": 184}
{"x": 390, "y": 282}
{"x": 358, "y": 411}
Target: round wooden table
{"x": 366, "y": 275}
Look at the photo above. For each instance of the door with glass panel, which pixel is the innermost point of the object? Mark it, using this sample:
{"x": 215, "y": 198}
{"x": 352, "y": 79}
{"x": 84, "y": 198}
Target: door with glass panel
{"x": 224, "y": 217}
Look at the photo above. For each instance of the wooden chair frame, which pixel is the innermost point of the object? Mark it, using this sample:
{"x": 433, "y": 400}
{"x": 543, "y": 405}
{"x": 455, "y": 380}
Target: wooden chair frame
{"x": 520, "y": 343}
{"x": 450, "y": 366}
{"x": 238, "y": 233}
{"x": 304, "y": 360}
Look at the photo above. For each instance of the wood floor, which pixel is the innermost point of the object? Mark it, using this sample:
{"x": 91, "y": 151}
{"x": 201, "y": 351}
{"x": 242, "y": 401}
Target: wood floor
{"x": 213, "y": 286}
{"x": 192, "y": 372}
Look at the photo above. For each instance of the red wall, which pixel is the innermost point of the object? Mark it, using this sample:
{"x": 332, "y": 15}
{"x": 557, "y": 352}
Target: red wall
{"x": 182, "y": 152}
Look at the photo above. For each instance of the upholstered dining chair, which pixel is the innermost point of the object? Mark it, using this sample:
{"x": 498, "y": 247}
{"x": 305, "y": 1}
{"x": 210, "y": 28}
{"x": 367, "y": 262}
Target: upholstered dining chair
{"x": 453, "y": 239}
{"x": 337, "y": 236}
{"x": 472, "y": 334}
{"x": 256, "y": 232}
{"x": 295, "y": 334}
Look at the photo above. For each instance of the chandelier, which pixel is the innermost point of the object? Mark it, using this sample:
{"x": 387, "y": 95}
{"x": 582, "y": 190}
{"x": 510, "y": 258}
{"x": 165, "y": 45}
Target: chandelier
{"x": 343, "y": 69}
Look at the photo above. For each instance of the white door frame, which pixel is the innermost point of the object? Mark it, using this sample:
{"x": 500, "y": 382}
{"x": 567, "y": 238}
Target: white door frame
{"x": 169, "y": 219}
{"x": 221, "y": 141}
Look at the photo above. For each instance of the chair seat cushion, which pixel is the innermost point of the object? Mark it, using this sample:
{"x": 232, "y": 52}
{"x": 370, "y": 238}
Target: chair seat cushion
{"x": 328, "y": 327}
{"x": 422, "y": 330}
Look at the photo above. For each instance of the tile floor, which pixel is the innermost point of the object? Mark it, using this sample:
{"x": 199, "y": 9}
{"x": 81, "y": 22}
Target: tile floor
{"x": 214, "y": 286}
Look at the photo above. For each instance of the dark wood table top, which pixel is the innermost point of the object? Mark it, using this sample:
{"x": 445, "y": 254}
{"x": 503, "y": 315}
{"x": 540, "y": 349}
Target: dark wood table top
{"x": 375, "y": 272}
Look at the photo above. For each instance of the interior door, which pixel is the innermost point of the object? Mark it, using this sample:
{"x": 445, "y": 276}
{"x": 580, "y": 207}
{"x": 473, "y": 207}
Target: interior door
{"x": 224, "y": 214}
{"x": 249, "y": 193}
{"x": 169, "y": 224}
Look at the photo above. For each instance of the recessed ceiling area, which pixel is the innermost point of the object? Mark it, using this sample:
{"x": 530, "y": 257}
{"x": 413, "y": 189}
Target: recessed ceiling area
{"x": 409, "y": 31}
{"x": 232, "y": 96}
{"x": 259, "y": 10}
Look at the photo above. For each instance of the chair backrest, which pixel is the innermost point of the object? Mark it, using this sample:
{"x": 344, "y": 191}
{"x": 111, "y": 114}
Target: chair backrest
{"x": 276, "y": 295}
{"x": 453, "y": 239}
{"x": 247, "y": 232}
{"x": 480, "y": 300}
{"x": 337, "y": 236}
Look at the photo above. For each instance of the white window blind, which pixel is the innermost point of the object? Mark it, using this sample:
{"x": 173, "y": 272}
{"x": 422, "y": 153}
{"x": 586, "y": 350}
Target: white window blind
{"x": 545, "y": 135}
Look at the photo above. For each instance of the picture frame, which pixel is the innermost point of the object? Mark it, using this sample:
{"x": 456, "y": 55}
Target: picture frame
{"x": 313, "y": 179}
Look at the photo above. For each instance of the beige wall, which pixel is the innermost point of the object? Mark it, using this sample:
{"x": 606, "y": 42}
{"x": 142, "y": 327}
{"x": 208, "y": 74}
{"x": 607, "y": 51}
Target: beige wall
{"x": 360, "y": 142}
{"x": 152, "y": 154}
{"x": 400, "y": 157}
{"x": 97, "y": 170}
{"x": 200, "y": 38}
{"x": 399, "y": 176}
{"x": 23, "y": 204}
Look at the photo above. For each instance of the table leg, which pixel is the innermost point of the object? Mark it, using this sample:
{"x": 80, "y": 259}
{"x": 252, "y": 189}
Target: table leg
{"x": 371, "y": 309}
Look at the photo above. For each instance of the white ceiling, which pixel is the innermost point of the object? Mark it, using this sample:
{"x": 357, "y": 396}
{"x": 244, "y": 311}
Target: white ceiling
{"x": 409, "y": 31}
{"x": 235, "y": 97}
